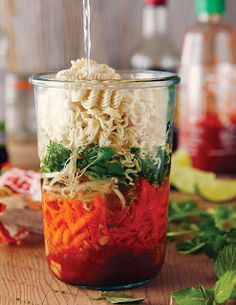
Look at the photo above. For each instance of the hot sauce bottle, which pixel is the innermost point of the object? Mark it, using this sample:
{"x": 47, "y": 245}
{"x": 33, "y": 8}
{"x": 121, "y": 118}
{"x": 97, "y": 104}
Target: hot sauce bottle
{"x": 207, "y": 108}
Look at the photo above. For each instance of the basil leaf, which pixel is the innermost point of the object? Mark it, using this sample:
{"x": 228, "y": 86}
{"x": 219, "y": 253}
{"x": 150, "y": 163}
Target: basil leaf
{"x": 190, "y": 296}
{"x": 225, "y": 286}
{"x": 226, "y": 261}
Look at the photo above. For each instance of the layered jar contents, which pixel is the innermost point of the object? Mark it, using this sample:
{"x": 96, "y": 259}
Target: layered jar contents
{"x": 105, "y": 152}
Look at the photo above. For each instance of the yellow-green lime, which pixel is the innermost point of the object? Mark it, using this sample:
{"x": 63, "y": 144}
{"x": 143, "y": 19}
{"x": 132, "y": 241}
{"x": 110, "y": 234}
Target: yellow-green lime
{"x": 217, "y": 190}
{"x": 182, "y": 158}
{"x": 186, "y": 179}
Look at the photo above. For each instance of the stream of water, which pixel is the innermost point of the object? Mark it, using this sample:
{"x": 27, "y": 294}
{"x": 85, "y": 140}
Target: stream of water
{"x": 87, "y": 33}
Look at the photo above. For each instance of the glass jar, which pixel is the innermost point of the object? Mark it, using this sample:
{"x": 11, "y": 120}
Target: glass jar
{"x": 105, "y": 150}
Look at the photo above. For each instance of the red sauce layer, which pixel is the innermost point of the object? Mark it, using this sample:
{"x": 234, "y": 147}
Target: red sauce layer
{"x": 108, "y": 245}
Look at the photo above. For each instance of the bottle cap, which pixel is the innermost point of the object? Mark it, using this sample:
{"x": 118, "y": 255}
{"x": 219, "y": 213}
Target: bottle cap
{"x": 156, "y": 2}
{"x": 210, "y": 7}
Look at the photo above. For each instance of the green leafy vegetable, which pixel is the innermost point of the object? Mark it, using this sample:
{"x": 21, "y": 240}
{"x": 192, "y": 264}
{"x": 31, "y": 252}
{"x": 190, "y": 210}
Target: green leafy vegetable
{"x": 100, "y": 163}
{"x": 117, "y": 297}
{"x": 225, "y": 286}
{"x": 156, "y": 171}
{"x": 226, "y": 261}
{"x": 56, "y": 158}
{"x": 223, "y": 289}
{"x": 201, "y": 231}
{"x": 190, "y": 296}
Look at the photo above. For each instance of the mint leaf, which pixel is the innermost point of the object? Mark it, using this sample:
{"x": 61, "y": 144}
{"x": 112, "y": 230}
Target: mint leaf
{"x": 233, "y": 295}
{"x": 117, "y": 297}
{"x": 226, "y": 261}
{"x": 190, "y": 296}
{"x": 225, "y": 286}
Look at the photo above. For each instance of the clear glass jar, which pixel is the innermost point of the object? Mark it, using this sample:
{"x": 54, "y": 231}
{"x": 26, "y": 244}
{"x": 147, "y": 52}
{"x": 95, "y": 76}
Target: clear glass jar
{"x": 105, "y": 150}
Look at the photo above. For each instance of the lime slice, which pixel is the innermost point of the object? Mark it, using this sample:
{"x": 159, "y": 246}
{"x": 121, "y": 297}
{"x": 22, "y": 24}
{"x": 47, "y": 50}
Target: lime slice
{"x": 181, "y": 157}
{"x": 217, "y": 190}
{"x": 186, "y": 179}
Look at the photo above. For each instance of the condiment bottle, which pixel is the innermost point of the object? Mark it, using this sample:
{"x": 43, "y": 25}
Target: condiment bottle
{"x": 3, "y": 61}
{"x": 156, "y": 51}
{"x": 207, "y": 107}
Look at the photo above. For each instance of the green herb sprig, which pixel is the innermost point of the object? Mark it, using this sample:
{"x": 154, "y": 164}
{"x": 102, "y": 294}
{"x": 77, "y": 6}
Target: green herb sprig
{"x": 224, "y": 288}
{"x": 113, "y": 297}
{"x": 56, "y": 157}
{"x": 201, "y": 231}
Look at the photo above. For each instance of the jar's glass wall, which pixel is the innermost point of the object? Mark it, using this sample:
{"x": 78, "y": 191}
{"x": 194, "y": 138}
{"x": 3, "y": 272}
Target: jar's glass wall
{"x": 105, "y": 162}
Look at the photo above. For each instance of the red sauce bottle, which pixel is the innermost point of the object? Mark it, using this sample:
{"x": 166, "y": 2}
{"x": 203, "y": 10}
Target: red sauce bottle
{"x": 207, "y": 108}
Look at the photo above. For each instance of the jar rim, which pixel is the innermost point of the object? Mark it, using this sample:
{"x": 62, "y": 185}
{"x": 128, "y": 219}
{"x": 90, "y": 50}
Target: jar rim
{"x": 129, "y": 79}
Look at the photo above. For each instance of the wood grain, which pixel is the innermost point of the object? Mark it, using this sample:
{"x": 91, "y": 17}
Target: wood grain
{"x": 26, "y": 279}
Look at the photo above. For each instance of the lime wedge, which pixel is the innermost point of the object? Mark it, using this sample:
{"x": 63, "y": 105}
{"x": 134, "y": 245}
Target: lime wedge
{"x": 217, "y": 190}
{"x": 181, "y": 157}
{"x": 186, "y": 179}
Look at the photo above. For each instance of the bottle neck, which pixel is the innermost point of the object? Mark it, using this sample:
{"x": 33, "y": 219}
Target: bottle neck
{"x": 210, "y": 18}
{"x": 154, "y": 20}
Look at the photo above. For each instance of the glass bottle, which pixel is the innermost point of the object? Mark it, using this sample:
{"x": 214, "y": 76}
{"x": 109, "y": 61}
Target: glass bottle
{"x": 207, "y": 107}
{"x": 3, "y": 61}
{"x": 156, "y": 51}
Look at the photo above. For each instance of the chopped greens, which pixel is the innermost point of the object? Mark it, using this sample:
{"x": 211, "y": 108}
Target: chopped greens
{"x": 100, "y": 163}
{"x": 156, "y": 170}
{"x": 223, "y": 289}
{"x": 201, "y": 231}
{"x": 56, "y": 158}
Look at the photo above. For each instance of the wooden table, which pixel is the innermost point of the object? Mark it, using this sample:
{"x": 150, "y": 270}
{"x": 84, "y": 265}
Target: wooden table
{"x": 26, "y": 279}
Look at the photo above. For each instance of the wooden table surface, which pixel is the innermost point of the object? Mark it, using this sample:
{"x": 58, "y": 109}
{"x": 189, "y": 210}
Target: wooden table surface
{"x": 26, "y": 279}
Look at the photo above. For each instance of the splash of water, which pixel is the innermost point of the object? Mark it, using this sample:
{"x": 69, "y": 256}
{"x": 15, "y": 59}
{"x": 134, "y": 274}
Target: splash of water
{"x": 87, "y": 31}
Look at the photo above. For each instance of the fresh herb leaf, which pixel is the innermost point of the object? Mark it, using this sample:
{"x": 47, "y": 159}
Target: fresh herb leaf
{"x": 225, "y": 216}
{"x": 117, "y": 297}
{"x": 226, "y": 261}
{"x": 223, "y": 289}
{"x": 208, "y": 230}
{"x": 156, "y": 171}
{"x": 190, "y": 296}
{"x": 233, "y": 295}
{"x": 225, "y": 286}
{"x": 182, "y": 209}
{"x": 56, "y": 158}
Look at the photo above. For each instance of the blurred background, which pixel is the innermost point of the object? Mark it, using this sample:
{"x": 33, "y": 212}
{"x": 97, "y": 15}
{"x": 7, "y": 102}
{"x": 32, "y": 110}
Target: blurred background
{"x": 45, "y": 35}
